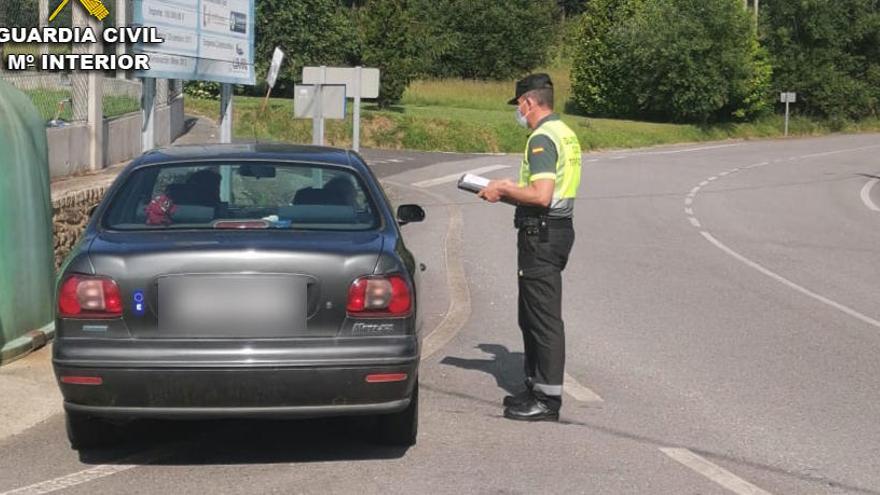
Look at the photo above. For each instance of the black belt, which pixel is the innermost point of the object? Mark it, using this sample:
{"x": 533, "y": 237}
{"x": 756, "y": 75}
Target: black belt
{"x": 525, "y": 222}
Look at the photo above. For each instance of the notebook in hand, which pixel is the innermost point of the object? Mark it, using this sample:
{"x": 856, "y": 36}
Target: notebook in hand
{"x": 475, "y": 183}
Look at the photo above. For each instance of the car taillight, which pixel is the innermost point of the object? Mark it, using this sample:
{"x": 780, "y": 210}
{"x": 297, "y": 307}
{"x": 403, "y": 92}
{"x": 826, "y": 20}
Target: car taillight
{"x": 379, "y": 296}
{"x": 82, "y": 296}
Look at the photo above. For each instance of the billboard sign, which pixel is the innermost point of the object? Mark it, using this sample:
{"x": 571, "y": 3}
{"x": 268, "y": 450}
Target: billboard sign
{"x": 207, "y": 40}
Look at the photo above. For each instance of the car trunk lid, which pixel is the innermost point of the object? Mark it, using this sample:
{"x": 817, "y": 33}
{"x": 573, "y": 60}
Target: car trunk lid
{"x": 254, "y": 284}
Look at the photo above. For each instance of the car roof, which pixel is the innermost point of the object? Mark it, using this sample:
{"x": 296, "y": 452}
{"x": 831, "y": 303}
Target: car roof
{"x": 249, "y": 151}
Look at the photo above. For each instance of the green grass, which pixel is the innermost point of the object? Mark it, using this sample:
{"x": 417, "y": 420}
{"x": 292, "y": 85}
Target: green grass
{"x": 473, "y": 116}
{"x": 478, "y": 95}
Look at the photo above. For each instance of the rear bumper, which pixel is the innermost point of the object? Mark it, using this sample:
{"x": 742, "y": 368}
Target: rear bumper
{"x": 143, "y": 381}
{"x": 278, "y": 412}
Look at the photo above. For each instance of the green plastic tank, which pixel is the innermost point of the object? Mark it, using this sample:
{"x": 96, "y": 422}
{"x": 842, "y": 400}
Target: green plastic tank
{"x": 27, "y": 271}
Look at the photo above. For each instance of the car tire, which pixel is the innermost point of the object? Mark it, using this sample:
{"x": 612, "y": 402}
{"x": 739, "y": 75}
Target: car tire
{"x": 400, "y": 429}
{"x": 86, "y": 432}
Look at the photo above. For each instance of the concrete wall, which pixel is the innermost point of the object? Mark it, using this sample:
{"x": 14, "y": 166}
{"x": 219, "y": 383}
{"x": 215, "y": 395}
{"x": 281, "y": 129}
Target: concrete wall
{"x": 68, "y": 150}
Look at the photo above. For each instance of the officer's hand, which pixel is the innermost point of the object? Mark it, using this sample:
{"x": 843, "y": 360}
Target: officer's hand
{"x": 495, "y": 190}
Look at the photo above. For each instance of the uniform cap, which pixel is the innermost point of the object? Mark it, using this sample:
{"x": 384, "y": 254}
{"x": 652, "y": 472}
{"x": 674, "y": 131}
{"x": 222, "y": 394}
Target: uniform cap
{"x": 529, "y": 83}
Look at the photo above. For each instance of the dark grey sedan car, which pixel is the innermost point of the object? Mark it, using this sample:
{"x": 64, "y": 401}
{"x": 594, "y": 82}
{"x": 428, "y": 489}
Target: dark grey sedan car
{"x": 241, "y": 281}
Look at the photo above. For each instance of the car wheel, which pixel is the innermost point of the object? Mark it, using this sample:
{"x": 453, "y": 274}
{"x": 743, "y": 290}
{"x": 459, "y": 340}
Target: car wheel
{"x": 401, "y": 428}
{"x": 85, "y": 432}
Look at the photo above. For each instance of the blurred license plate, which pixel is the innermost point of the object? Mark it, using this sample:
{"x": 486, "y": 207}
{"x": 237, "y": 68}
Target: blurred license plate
{"x": 233, "y": 305}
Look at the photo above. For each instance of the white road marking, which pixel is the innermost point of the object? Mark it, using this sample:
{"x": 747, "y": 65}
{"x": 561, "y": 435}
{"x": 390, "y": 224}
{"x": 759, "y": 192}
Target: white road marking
{"x": 619, "y": 157}
{"x": 71, "y": 480}
{"x": 689, "y": 211}
{"x": 689, "y": 150}
{"x": 694, "y": 222}
{"x": 454, "y": 177}
{"x": 591, "y": 160}
{"x": 578, "y": 391}
{"x": 93, "y": 473}
{"x": 866, "y": 195}
{"x": 713, "y": 472}
{"x": 704, "y": 183}
{"x": 724, "y": 174}
{"x": 814, "y": 155}
{"x": 395, "y": 160}
{"x": 779, "y": 278}
{"x": 695, "y": 190}
{"x": 713, "y": 178}
{"x": 689, "y": 200}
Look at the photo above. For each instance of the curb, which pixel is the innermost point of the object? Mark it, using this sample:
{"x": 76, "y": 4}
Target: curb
{"x": 26, "y": 344}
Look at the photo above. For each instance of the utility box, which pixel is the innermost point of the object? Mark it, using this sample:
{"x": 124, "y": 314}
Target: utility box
{"x": 27, "y": 269}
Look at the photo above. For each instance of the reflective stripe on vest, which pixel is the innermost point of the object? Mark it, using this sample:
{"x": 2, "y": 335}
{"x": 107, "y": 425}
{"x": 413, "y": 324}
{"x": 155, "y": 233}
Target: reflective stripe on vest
{"x": 568, "y": 163}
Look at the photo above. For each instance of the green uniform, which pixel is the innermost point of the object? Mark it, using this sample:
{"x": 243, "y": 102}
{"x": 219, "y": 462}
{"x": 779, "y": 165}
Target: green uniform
{"x": 544, "y": 242}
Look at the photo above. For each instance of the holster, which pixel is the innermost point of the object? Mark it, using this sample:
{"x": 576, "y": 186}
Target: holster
{"x": 534, "y": 225}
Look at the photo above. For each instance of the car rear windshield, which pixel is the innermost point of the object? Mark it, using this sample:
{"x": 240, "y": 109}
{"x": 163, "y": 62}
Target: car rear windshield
{"x": 247, "y": 195}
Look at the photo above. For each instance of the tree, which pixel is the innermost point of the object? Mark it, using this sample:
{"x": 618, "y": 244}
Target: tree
{"x": 493, "y": 39}
{"x": 680, "y": 60}
{"x": 572, "y": 7}
{"x": 311, "y": 32}
{"x": 389, "y": 40}
{"x": 828, "y": 52}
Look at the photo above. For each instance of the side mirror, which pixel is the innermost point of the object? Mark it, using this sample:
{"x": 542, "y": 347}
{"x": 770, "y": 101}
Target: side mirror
{"x": 410, "y": 213}
{"x": 92, "y": 210}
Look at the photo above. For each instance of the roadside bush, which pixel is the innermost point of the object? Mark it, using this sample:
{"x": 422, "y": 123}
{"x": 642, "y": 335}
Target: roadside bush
{"x": 677, "y": 60}
{"x": 828, "y": 52}
{"x": 206, "y": 90}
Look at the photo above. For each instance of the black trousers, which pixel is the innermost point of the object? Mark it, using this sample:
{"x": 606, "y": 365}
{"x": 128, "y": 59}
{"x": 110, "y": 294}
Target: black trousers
{"x": 541, "y": 260}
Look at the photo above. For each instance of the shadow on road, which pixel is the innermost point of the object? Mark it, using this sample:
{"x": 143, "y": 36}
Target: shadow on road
{"x": 245, "y": 442}
{"x": 505, "y": 366}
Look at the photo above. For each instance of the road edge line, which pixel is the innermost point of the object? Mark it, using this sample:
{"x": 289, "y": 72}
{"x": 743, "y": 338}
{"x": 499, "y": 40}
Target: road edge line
{"x": 866, "y": 195}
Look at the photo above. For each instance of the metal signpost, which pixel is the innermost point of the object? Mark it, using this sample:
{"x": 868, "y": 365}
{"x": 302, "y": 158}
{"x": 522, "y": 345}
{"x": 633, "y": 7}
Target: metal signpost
{"x": 787, "y": 98}
{"x": 225, "y": 113}
{"x": 148, "y": 112}
{"x": 205, "y": 40}
{"x": 359, "y": 82}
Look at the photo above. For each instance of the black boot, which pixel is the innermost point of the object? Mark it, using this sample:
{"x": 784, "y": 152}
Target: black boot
{"x": 532, "y": 410}
{"x": 517, "y": 399}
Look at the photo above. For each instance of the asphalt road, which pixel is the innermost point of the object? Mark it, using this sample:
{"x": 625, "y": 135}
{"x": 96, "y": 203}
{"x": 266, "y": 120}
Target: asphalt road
{"x": 723, "y": 334}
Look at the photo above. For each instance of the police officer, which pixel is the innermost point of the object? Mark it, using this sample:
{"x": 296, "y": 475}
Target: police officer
{"x": 545, "y": 195}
